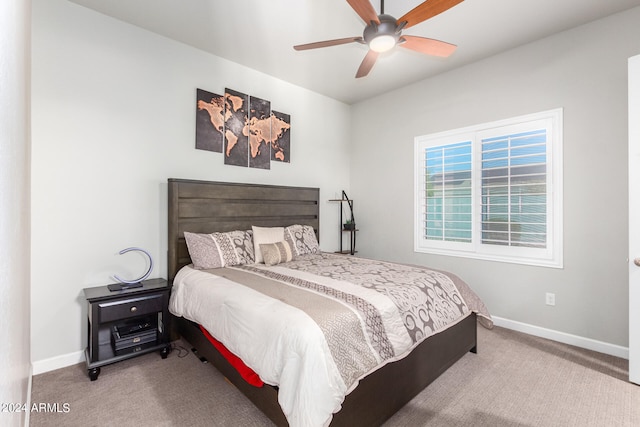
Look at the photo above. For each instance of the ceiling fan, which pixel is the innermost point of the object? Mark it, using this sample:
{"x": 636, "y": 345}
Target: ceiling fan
{"x": 383, "y": 32}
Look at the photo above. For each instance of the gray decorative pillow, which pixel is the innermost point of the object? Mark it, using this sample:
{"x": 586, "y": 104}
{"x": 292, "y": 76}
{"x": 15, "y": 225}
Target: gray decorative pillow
{"x": 203, "y": 250}
{"x": 217, "y": 250}
{"x": 276, "y": 253}
{"x": 302, "y": 239}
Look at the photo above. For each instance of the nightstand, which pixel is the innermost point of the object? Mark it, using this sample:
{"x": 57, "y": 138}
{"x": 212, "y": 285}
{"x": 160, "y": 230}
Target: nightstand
{"x": 126, "y": 323}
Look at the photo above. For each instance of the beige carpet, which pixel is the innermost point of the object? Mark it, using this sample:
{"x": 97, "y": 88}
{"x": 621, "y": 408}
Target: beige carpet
{"x": 514, "y": 380}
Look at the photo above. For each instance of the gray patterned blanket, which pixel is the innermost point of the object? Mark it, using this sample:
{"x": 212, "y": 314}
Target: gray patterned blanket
{"x": 427, "y": 301}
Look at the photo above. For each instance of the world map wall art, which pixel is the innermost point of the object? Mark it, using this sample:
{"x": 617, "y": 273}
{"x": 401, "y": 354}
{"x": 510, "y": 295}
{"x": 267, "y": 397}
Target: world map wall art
{"x": 242, "y": 127}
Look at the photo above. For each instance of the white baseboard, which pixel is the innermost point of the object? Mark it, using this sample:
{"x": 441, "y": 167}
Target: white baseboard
{"x": 575, "y": 340}
{"x": 46, "y": 365}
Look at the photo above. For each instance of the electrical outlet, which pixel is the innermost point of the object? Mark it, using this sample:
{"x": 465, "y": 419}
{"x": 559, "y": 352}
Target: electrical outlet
{"x": 550, "y": 298}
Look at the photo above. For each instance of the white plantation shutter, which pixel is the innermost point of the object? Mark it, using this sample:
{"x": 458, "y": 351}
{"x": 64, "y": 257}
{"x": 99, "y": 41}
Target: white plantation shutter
{"x": 447, "y": 196}
{"x": 492, "y": 191}
{"x": 514, "y": 189}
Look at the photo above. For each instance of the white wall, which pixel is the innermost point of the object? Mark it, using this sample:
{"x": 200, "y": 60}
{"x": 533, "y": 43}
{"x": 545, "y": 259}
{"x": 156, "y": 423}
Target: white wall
{"x": 113, "y": 113}
{"x": 15, "y": 357}
{"x": 584, "y": 71}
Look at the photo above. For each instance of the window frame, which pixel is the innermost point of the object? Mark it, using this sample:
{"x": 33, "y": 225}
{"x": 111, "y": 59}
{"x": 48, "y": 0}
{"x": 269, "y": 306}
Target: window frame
{"x": 552, "y": 254}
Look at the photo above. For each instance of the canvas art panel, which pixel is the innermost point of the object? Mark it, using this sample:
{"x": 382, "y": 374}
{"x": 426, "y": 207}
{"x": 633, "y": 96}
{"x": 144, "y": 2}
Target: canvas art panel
{"x": 236, "y": 133}
{"x": 280, "y": 137}
{"x": 259, "y": 133}
{"x": 209, "y": 121}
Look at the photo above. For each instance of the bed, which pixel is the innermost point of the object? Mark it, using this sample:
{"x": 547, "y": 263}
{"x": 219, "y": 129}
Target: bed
{"x": 207, "y": 207}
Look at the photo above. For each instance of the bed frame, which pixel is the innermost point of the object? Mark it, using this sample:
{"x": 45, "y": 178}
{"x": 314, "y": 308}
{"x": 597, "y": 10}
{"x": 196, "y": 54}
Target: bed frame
{"x": 206, "y": 207}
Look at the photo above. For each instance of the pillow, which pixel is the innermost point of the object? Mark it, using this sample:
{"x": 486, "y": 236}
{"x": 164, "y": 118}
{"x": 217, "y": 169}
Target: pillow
{"x": 265, "y": 235}
{"x": 203, "y": 250}
{"x": 276, "y": 253}
{"x": 302, "y": 239}
{"x": 217, "y": 250}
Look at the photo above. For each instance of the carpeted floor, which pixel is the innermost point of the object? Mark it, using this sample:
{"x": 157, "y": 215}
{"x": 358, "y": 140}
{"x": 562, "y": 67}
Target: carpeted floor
{"x": 514, "y": 380}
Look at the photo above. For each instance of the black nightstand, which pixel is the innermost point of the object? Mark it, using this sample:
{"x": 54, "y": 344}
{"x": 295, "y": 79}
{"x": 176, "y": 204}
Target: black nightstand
{"x": 126, "y": 323}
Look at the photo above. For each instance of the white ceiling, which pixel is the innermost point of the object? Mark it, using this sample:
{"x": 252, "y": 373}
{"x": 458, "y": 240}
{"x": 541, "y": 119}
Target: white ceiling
{"x": 260, "y": 34}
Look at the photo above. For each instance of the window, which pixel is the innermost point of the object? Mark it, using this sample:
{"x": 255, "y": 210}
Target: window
{"x": 492, "y": 191}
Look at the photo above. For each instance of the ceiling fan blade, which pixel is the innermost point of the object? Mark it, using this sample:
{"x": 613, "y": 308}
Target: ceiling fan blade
{"x": 365, "y": 10}
{"x": 328, "y": 43}
{"x": 428, "y": 46}
{"x": 426, "y": 10}
{"x": 367, "y": 64}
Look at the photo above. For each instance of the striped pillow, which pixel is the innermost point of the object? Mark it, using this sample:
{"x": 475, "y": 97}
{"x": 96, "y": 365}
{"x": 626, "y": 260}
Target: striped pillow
{"x": 276, "y": 253}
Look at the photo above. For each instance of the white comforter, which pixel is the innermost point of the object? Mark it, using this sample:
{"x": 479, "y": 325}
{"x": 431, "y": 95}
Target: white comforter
{"x": 282, "y": 343}
{"x": 247, "y": 322}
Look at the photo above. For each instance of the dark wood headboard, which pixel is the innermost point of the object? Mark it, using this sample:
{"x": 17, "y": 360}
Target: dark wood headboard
{"x": 207, "y": 207}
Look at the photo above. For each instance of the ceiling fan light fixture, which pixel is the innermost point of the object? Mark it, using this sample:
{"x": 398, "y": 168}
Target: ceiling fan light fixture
{"x": 382, "y": 43}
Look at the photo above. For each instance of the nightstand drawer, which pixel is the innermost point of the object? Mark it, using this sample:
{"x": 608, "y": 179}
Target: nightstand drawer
{"x": 122, "y": 309}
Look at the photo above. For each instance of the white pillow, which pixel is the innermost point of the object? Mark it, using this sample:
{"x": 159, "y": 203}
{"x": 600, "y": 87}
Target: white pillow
{"x": 263, "y": 235}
